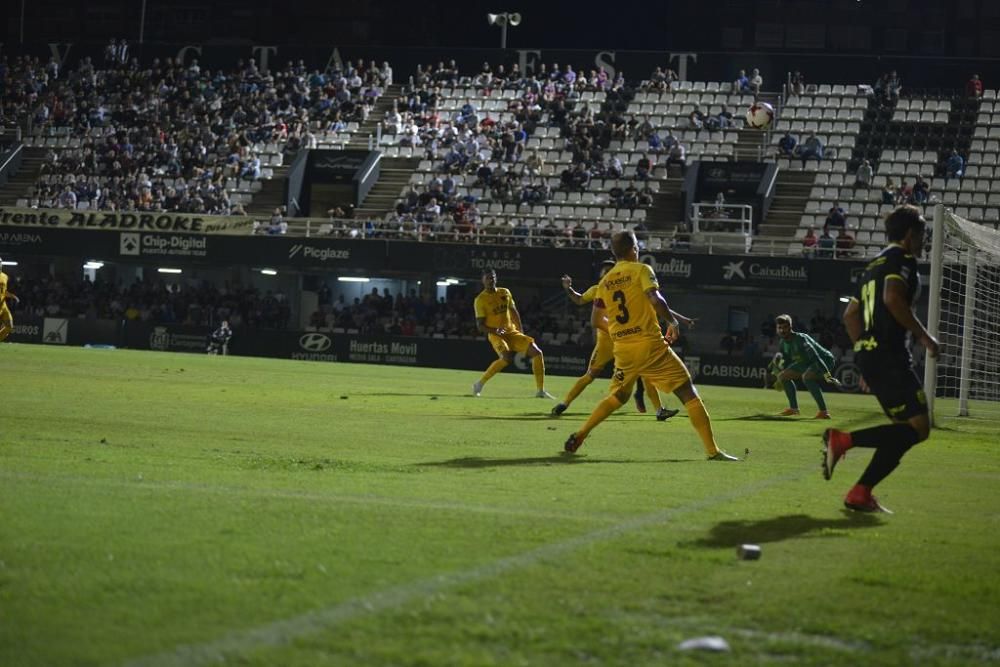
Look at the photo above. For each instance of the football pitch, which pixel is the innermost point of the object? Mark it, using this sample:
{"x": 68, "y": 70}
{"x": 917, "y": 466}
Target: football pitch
{"x": 171, "y": 509}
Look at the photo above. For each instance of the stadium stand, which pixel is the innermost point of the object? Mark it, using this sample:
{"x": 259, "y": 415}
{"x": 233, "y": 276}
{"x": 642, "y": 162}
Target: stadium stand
{"x": 174, "y": 137}
{"x": 562, "y": 157}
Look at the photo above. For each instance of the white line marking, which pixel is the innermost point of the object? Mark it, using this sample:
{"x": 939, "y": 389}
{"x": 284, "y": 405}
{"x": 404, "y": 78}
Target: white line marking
{"x": 281, "y": 632}
{"x": 291, "y": 494}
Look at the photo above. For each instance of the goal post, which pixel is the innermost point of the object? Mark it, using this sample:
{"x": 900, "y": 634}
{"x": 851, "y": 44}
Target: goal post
{"x": 964, "y": 315}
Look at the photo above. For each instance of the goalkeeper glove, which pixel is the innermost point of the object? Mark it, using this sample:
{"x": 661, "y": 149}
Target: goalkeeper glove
{"x": 829, "y": 379}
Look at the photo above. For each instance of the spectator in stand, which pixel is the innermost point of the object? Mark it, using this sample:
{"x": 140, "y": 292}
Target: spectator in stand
{"x": 669, "y": 141}
{"x": 696, "y": 119}
{"x": 798, "y": 84}
{"x": 893, "y": 86}
{"x": 786, "y": 145}
{"x": 812, "y": 147}
{"x": 534, "y": 165}
{"x": 756, "y": 81}
{"x": 863, "y": 176}
{"x": 725, "y": 118}
{"x": 974, "y": 87}
{"x": 720, "y": 204}
{"x": 655, "y": 143}
{"x": 614, "y": 168}
{"x": 954, "y": 166}
{"x": 646, "y": 197}
{"x": 835, "y": 217}
{"x": 277, "y": 225}
{"x": 826, "y": 245}
{"x": 921, "y": 191}
{"x": 68, "y": 197}
{"x": 809, "y": 242}
{"x": 677, "y": 155}
{"x": 904, "y": 195}
{"x": 889, "y": 192}
{"x": 644, "y": 168}
{"x": 845, "y": 244}
{"x": 742, "y": 83}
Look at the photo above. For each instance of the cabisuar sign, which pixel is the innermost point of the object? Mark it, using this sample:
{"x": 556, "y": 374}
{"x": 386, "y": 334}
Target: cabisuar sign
{"x": 152, "y": 222}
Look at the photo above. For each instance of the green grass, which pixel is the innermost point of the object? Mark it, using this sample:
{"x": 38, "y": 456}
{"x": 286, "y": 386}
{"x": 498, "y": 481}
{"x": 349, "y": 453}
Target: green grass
{"x": 169, "y": 509}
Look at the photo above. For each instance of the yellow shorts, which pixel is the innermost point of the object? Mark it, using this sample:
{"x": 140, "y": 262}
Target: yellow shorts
{"x": 512, "y": 342}
{"x": 5, "y": 314}
{"x": 654, "y": 361}
{"x": 603, "y": 352}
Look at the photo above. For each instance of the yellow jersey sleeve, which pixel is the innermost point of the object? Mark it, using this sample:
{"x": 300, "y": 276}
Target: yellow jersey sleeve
{"x": 3, "y": 287}
{"x": 589, "y": 295}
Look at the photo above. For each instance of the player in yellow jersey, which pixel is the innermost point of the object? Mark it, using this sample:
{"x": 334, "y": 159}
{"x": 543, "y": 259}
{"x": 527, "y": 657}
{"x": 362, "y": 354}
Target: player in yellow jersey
{"x": 603, "y": 352}
{"x": 6, "y": 319}
{"x": 497, "y": 317}
{"x": 628, "y": 305}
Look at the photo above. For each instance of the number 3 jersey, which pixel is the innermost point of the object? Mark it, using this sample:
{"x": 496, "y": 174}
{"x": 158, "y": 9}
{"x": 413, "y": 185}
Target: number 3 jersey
{"x": 881, "y": 330}
{"x": 622, "y": 292}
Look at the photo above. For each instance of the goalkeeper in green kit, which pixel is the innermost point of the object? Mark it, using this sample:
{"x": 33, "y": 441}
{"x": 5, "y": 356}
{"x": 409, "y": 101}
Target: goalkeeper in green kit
{"x": 803, "y": 358}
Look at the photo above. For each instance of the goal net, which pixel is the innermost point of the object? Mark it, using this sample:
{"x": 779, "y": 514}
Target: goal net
{"x": 964, "y": 315}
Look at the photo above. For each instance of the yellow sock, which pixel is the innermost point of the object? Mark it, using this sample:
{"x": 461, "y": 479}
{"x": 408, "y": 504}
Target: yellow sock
{"x": 600, "y": 413}
{"x": 580, "y": 385}
{"x": 654, "y": 396}
{"x": 538, "y": 368}
{"x": 493, "y": 369}
{"x": 702, "y": 424}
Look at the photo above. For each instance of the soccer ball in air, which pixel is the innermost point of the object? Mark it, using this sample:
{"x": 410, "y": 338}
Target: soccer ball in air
{"x": 760, "y": 115}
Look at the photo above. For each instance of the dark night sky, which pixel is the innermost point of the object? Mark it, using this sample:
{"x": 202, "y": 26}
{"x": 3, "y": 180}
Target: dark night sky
{"x": 927, "y": 27}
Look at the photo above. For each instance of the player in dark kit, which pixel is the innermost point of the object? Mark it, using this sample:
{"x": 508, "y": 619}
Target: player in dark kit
{"x": 878, "y": 318}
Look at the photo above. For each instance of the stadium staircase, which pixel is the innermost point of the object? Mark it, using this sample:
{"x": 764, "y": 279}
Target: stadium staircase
{"x": 751, "y": 144}
{"x": 369, "y": 128}
{"x": 27, "y": 175}
{"x": 790, "y": 200}
{"x": 382, "y": 196}
{"x": 271, "y": 195}
{"x": 393, "y": 178}
{"x": 668, "y": 207}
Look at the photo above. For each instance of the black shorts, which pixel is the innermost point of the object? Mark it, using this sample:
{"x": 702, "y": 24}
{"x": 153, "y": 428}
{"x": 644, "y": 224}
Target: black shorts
{"x": 895, "y": 384}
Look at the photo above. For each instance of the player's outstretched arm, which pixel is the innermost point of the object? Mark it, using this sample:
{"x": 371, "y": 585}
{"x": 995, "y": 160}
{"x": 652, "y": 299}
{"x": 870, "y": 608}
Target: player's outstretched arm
{"x": 664, "y": 313}
{"x": 689, "y": 322}
{"x": 573, "y": 295}
{"x": 897, "y": 301}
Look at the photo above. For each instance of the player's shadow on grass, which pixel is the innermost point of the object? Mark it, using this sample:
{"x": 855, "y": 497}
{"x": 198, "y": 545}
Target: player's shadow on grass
{"x": 733, "y": 533}
{"x": 411, "y": 394}
{"x": 555, "y": 459}
{"x": 760, "y": 417}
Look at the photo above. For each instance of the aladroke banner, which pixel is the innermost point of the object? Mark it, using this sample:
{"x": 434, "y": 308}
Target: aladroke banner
{"x": 152, "y": 222}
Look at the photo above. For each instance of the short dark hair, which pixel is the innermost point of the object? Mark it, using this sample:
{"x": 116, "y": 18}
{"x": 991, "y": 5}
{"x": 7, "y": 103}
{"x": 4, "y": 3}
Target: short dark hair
{"x": 903, "y": 219}
{"x": 487, "y": 272}
{"x": 622, "y": 242}
{"x": 787, "y": 319}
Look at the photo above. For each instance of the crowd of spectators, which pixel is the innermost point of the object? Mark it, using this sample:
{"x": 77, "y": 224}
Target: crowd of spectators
{"x": 490, "y": 152}
{"x": 168, "y": 136}
{"x": 154, "y": 301}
